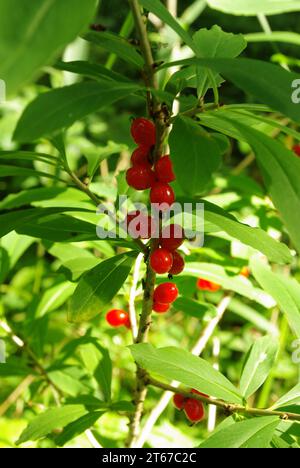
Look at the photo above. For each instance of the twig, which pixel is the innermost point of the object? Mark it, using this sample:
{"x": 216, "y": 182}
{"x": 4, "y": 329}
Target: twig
{"x": 12, "y": 398}
{"x": 132, "y": 297}
{"x": 197, "y": 349}
{"x": 230, "y": 408}
{"x": 212, "y": 410}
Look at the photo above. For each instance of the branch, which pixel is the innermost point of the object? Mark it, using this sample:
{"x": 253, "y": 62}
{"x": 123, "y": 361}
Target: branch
{"x": 230, "y": 408}
{"x": 197, "y": 349}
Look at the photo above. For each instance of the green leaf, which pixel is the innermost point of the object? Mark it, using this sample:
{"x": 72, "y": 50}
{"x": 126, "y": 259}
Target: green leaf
{"x": 193, "y": 308}
{"x": 252, "y": 433}
{"x": 157, "y": 7}
{"x": 290, "y": 398}
{"x": 178, "y": 364}
{"x": 281, "y": 172}
{"x": 91, "y": 70}
{"x": 67, "y": 379}
{"x": 66, "y": 105}
{"x": 98, "y": 363}
{"x": 258, "y": 365}
{"x": 193, "y": 169}
{"x": 55, "y": 418}
{"x": 285, "y": 291}
{"x": 54, "y": 298}
{"x": 77, "y": 427}
{"x": 8, "y": 171}
{"x": 97, "y": 288}
{"x": 270, "y": 84}
{"x": 116, "y": 45}
{"x": 33, "y": 33}
{"x": 254, "y": 7}
{"x": 275, "y": 36}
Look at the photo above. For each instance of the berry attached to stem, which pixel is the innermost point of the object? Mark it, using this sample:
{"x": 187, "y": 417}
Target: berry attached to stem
{"x": 178, "y": 264}
{"x": 143, "y": 132}
{"x": 162, "y": 194}
{"x": 161, "y": 261}
{"x": 172, "y": 237}
{"x": 117, "y": 318}
{"x": 205, "y": 285}
{"x": 160, "y": 308}
{"x": 178, "y": 401}
{"x": 140, "y": 156}
{"x": 194, "y": 410}
{"x": 140, "y": 177}
{"x": 166, "y": 293}
{"x": 164, "y": 170}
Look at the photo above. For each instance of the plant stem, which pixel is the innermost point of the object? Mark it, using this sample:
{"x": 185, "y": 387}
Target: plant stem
{"x": 227, "y": 407}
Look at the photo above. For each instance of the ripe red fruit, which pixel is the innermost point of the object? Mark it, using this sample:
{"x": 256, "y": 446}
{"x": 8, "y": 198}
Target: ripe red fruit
{"x": 117, "y": 317}
{"x": 166, "y": 293}
{"x": 194, "y": 410}
{"x": 206, "y": 285}
{"x": 160, "y": 308}
{"x": 162, "y": 193}
{"x": 140, "y": 156}
{"x": 296, "y": 150}
{"x": 161, "y": 261}
{"x": 172, "y": 237}
{"x": 143, "y": 132}
{"x": 245, "y": 271}
{"x": 140, "y": 177}
{"x": 178, "y": 264}
{"x": 164, "y": 170}
{"x": 140, "y": 226}
{"x": 178, "y": 401}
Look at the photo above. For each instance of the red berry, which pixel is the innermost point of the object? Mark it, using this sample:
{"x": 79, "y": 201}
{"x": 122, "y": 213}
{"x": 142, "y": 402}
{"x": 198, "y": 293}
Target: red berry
{"x": 245, "y": 271}
{"x": 178, "y": 401}
{"x": 206, "y": 285}
{"x": 117, "y": 317}
{"x": 166, "y": 293}
{"x": 140, "y": 225}
{"x": 143, "y": 132}
{"x": 296, "y": 150}
{"x": 140, "y": 177}
{"x": 162, "y": 194}
{"x": 198, "y": 393}
{"x": 161, "y": 261}
{"x": 178, "y": 264}
{"x": 164, "y": 170}
{"x": 172, "y": 237}
{"x": 160, "y": 308}
{"x": 140, "y": 156}
{"x": 194, "y": 410}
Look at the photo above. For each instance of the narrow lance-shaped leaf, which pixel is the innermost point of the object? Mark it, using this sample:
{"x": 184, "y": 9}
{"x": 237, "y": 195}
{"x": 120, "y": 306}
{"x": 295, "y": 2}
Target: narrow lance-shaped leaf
{"x": 254, "y": 7}
{"x": 97, "y": 288}
{"x": 177, "y": 364}
{"x": 290, "y": 398}
{"x": 258, "y": 365}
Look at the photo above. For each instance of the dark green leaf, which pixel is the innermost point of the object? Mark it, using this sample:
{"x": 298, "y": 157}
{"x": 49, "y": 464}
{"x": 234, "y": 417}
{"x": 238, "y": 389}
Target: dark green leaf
{"x": 77, "y": 427}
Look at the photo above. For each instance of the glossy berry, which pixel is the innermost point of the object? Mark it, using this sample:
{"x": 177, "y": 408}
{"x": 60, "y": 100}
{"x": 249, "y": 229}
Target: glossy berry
{"x": 296, "y": 150}
{"x": 140, "y": 226}
{"x": 140, "y": 177}
{"x": 172, "y": 237}
{"x": 166, "y": 293}
{"x": 194, "y": 410}
{"x": 140, "y": 156}
{"x": 117, "y": 317}
{"x": 143, "y": 132}
{"x": 205, "y": 285}
{"x": 162, "y": 194}
{"x": 178, "y": 264}
{"x": 178, "y": 401}
{"x": 161, "y": 261}
{"x": 160, "y": 308}
{"x": 164, "y": 170}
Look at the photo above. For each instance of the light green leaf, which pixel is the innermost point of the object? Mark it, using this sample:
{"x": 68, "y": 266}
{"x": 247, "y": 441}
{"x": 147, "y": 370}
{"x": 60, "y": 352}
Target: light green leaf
{"x": 97, "y": 288}
{"x": 275, "y": 36}
{"x": 260, "y": 361}
{"x": 254, "y": 7}
{"x": 33, "y": 33}
{"x": 98, "y": 363}
{"x": 290, "y": 398}
{"x": 92, "y": 70}
{"x": 193, "y": 170}
{"x": 192, "y": 371}
{"x": 285, "y": 291}
{"x": 252, "y": 433}
{"x": 66, "y": 105}
{"x": 54, "y": 298}
{"x": 55, "y": 418}
{"x": 77, "y": 427}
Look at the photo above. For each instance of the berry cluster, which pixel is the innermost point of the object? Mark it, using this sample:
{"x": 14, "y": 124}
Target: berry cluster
{"x": 194, "y": 409}
{"x": 144, "y": 174}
